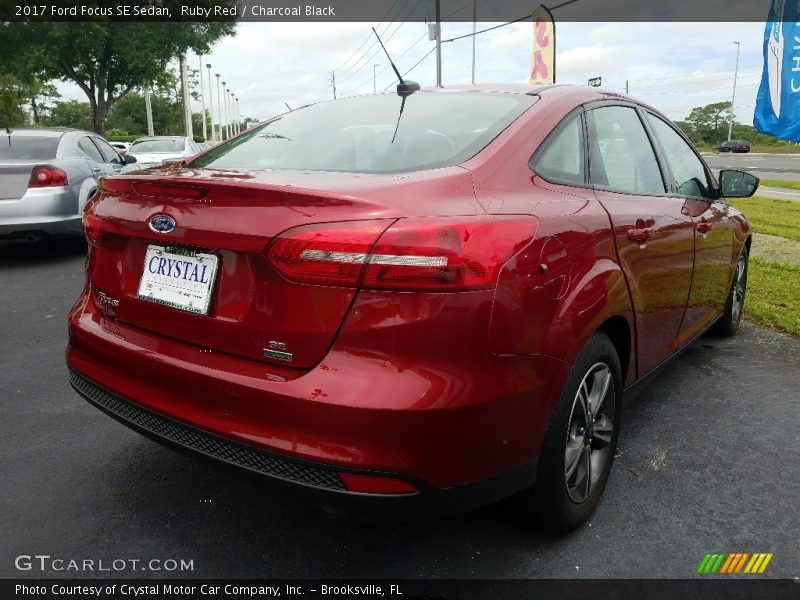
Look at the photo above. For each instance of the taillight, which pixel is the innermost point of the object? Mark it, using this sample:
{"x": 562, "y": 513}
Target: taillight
{"x": 47, "y": 176}
{"x": 92, "y": 228}
{"x": 327, "y": 254}
{"x": 370, "y": 484}
{"x": 446, "y": 254}
{"x": 426, "y": 254}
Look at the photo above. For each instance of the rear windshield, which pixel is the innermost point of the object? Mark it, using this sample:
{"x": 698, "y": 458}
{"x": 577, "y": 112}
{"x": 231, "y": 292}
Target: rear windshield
{"x": 358, "y": 134}
{"x": 33, "y": 147}
{"x": 158, "y": 146}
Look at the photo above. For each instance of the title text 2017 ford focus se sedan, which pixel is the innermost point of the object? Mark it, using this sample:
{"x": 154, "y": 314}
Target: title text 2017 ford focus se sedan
{"x": 414, "y": 311}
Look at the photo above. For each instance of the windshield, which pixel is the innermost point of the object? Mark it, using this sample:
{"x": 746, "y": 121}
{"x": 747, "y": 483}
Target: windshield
{"x": 34, "y": 147}
{"x": 358, "y": 134}
{"x": 165, "y": 146}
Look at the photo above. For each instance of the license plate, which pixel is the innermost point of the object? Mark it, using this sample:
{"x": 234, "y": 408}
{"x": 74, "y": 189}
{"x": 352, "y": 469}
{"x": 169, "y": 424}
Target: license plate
{"x": 179, "y": 278}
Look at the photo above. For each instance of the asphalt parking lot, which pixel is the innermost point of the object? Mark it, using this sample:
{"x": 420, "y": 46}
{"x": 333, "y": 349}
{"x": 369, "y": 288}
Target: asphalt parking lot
{"x": 709, "y": 463}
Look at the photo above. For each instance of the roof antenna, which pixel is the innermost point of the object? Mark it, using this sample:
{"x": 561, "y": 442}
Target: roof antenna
{"x": 404, "y": 88}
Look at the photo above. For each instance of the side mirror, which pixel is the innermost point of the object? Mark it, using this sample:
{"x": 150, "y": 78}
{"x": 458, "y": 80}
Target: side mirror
{"x": 737, "y": 184}
{"x": 129, "y": 160}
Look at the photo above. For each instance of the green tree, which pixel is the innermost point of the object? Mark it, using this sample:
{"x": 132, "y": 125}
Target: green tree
{"x": 107, "y": 59}
{"x": 12, "y": 96}
{"x": 69, "y": 113}
{"x": 709, "y": 123}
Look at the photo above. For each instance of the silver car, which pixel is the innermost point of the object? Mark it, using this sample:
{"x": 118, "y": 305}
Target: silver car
{"x": 46, "y": 177}
{"x": 162, "y": 149}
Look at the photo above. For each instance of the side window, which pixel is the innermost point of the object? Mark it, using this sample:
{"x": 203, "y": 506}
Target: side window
{"x": 90, "y": 150}
{"x": 621, "y": 157}
{"x": 690, "y": 175}
{"x": 561, "y": 158}
{"x": 109, "y": 154}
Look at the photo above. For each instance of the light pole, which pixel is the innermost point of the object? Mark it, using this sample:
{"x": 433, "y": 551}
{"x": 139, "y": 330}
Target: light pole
{"x": 238, "y": 116}
{"x": 203, "y": 101}
{"x": 233, "y": 115}
{"x": 219, "y": 109}
{"x": 733, "y": 98}
{"x": 228, "y": 111}
{"x": 374, "y": 84}
{"x": 211, "y": 103}
{"x": 225, "y": 110}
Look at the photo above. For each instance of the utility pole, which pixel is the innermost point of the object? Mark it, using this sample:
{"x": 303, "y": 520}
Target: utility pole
{"x": 374, "y": 84}
{"x": 474, "y": 30}
{"x": 439, "y": 44}
{"x": 149, "y": 110}
{"x": 187, "y": 108}
{"x": 211, "y": 103}
{"x": 333, "y": 80}
{"x": 203, "y": 100}
{"x": 733, "y": 98}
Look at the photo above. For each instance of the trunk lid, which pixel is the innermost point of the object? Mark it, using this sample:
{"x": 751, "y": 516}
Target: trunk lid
{"x": 14, "y": 178}
{"x": 234, "y": 216}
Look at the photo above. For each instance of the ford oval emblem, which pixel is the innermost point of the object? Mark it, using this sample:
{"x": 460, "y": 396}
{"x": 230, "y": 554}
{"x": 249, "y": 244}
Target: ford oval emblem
{"x": 162, "y": 223}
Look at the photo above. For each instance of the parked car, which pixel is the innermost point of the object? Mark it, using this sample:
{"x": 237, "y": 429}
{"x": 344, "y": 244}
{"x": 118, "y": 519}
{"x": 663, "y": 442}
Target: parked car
{"x": 733, "y": 146}
{"x": 46, "y": 177}
{"x": 121, "y": 147}
{"x": 163, "y": 149}
{"x": 430, "y": 317}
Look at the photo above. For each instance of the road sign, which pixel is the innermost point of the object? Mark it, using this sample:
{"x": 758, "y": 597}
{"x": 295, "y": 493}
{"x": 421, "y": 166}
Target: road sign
{"x": 595, "y": 82}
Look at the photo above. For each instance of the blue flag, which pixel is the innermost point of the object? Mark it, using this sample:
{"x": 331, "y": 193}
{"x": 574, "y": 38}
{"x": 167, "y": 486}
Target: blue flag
{"x": 777, "y": 110}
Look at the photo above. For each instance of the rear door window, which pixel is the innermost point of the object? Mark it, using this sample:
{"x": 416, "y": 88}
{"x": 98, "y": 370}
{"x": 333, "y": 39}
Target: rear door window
{"x": 621, "y": 158}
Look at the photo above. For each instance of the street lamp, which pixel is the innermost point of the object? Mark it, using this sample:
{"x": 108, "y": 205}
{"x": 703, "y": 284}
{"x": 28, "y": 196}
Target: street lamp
{"x": 233, "y": 117}
{"x": 211, "y": 103}
{"x": 733, "y": 98}
{"x": 219, "y": 110}
{"x": 225, "y": 110}
{"x": 374, "y": 85}
{"x": 238, "y": 117}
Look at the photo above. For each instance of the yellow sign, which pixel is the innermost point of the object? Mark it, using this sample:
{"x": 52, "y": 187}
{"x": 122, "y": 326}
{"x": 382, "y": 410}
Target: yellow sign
{"x": 543, "y": 58}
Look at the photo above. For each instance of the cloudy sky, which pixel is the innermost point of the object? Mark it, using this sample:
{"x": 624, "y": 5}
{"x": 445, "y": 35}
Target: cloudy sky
{"x": 673, "y": 66}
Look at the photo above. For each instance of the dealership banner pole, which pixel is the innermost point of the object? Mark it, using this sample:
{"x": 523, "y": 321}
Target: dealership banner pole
{"x": 211, "y": 103}
{"x": 149, "y": 110}
{"x": 203, "y": 100}
{"x": 543, "y": 57}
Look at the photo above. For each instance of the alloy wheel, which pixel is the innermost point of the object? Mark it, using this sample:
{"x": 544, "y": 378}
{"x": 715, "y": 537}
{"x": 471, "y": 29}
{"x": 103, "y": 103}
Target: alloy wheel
{"x": 590, "y": 432}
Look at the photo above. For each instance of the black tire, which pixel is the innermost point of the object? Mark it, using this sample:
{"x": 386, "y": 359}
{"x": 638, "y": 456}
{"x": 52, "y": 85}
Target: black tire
{"x": 728, "y": 323}
{"x": 554, "y": 502}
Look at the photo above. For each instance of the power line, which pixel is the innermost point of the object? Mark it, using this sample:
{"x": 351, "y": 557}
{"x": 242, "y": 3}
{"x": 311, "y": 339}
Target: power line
{"x": 366, "y": 39}
{"x": 427, "y": 54}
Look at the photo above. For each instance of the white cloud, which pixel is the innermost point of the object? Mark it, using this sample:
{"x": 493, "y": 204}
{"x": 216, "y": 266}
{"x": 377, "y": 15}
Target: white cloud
{"x": 673, "y": 66}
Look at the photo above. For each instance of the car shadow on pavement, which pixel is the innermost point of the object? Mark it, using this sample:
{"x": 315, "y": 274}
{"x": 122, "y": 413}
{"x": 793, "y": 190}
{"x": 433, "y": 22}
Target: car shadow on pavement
{"x": 45, "y": 251}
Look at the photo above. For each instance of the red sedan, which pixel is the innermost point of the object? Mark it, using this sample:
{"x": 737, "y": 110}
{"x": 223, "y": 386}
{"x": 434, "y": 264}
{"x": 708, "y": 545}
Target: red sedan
{"x": 417, "y": 310}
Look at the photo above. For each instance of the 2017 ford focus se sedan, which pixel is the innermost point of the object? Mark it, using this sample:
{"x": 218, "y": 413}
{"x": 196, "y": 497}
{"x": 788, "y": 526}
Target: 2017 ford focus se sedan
{"x": 413, "y": 311}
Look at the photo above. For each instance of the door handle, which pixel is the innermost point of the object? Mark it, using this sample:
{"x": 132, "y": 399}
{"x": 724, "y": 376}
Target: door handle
{"x": 640, "y": 235}
{"x": 703, "y": 227}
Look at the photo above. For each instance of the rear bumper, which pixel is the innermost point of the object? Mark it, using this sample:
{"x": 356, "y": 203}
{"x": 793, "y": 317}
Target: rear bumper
{"x": 51, "y": 211}
{"x": 463, "y": 435}
{"x": 320, "y": 483}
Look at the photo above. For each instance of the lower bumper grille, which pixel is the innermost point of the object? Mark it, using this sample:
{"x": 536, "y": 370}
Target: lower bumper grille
{"x": 205, "y": 443}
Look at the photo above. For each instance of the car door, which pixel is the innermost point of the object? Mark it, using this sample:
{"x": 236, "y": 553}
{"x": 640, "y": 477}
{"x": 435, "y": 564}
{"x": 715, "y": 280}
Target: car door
{"x": 654, "y": 238}
{"x": 690, "y": 181}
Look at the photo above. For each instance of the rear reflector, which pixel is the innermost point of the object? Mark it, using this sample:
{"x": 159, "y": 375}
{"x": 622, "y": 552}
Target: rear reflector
{"x": 91, "y": 223}
{"x": 427, "y": 254}
{"x": 47, "y": 176}
{"x": 367, "y": 484}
